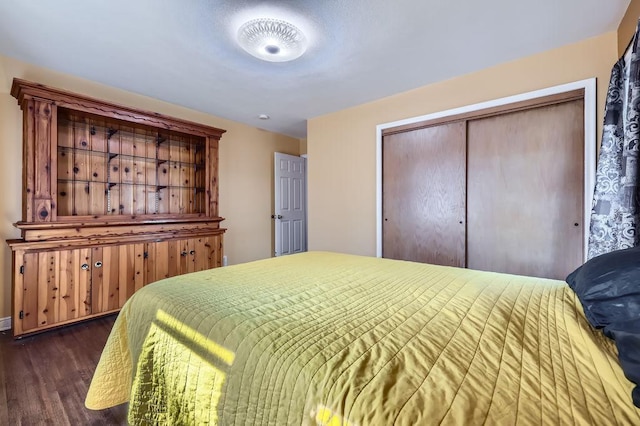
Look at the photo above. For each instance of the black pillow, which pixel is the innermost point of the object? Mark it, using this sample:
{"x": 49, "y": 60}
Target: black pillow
{"x": 608, "y": 287}
{"x": 628, "y": 345}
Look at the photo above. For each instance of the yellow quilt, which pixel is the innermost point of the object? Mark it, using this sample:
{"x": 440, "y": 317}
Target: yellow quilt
{"x": 332, "y": 339}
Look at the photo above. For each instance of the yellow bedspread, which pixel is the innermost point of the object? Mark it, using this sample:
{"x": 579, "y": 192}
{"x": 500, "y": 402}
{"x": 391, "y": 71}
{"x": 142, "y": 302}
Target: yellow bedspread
{"x": 330, "y": 339}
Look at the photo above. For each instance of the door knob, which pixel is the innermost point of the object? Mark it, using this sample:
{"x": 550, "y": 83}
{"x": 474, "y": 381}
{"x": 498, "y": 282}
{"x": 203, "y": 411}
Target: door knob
{"x": 274, "y": 216}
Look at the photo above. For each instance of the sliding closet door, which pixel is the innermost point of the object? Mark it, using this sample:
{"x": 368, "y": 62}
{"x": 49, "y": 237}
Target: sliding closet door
{"x": 525, "y": 191}
{"x": 423, "y": 195}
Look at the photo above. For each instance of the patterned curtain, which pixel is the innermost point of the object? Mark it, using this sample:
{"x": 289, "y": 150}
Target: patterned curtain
{"x": 616, "y": 201}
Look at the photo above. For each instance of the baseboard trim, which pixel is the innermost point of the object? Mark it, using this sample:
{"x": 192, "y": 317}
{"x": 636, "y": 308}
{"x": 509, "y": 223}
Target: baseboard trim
{"x": 5, "y": 323}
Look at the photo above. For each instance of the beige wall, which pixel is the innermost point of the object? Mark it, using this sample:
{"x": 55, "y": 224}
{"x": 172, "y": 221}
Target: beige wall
{"x": 342, "y": 145}
{"x": 627, "y": 26}
{"x": 246, "y": 166}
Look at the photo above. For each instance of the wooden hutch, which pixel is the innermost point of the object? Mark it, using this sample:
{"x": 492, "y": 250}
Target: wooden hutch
{"x": 114, "y": 198}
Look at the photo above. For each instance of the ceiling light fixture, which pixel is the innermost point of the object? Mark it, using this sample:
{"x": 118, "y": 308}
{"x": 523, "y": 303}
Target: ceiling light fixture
{"x": 272, "y": 40}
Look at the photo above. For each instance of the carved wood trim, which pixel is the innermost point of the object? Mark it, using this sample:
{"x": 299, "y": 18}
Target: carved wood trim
{"x": 22, "y": 89}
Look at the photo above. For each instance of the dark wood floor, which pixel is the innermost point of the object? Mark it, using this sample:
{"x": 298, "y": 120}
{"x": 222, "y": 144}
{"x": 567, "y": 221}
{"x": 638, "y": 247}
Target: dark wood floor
{"x": 44, "y": 378}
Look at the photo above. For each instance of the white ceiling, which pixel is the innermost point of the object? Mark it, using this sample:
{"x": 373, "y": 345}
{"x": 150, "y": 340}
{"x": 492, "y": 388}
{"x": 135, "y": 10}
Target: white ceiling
{"x": 184, "y": 51}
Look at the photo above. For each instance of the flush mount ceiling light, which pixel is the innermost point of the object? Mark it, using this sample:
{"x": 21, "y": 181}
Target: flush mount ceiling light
{"x": 272, "y": 40}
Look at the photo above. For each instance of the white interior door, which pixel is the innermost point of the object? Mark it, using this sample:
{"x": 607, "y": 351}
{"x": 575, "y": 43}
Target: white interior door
{"x": 290, "y": 204}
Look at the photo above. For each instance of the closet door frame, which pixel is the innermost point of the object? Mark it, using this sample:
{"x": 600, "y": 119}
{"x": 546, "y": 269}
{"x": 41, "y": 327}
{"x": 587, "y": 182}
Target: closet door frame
{"x": 505, "y": 104}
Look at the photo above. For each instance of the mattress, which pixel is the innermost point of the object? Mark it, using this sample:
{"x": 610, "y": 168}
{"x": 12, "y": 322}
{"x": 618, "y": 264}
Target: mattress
{"x": 334, "y": 339}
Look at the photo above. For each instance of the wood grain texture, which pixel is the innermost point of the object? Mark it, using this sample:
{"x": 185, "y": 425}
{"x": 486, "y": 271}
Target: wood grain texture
{"x": 213, "y": 246}
{"x": 43, "y": 288}
{"x": 111, "y": 168}
{"x": 68, "y": 283}
{"x": 111, "y": 286}
{"x": 219, "y": 240}
{"x": 126, "y": 273}
{"x": 42, "y": 113}
{"x": 97, "y": 280}
{"x": 151, "y": 263}
{"x": 42, "y": 209}
{"x": 139, "y": 280}
{"x": 89, "y": 185}
{"x": 158, "y": 261}
{"x": 51, "y": 288}
{"x": 525, "y": 191}
{"x": 173, "y": 253}
{"x": 29, "y": 292}
{"x": 423, "y": 195}
{"x": 186, "y": 261}
{"x": 53, "y": 166}
{"x": 491, "y": 111}
{"x": 131, "y": 270}
{"x": 174, "y": 257}
{"x": 65, "y": 175}
{"x": 213, "y": 177}
{"x": 53, "y": 291}
{"x": 84, "y": 283}
{"x": 104, "y": 185}
{"x": 17, "y": 290}
{"x": 22, "y": 89}
{"x": 28, "y": 160}
{"x": 44, "y": 378}
{"x": 200, "y": 255}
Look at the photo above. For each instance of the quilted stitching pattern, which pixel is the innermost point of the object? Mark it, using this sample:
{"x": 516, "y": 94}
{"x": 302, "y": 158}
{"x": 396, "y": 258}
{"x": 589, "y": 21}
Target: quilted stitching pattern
{"x": 323, "y": 338}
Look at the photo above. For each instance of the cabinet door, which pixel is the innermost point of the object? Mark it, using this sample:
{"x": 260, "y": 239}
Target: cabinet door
{"x": 187, "y": 255}
{"x": 213, "y": 248}
{"x": 162, "y": 259}
{"x": 105, "y": 279}
{"x": 169, "y": 258}
{"x": 159, "y": 258}
{"x": 204, "y": 253}
{"x": 51, "y": 287}
{"x": 60, "y": 286}
{"x": 131, "y": 271}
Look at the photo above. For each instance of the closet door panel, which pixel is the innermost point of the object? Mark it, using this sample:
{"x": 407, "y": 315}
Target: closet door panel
{"x": 423, "y": 195}
{"x": 525, "y": 191}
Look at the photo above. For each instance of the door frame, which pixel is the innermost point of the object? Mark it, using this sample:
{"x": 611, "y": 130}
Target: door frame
{"x": 589, "y": 87}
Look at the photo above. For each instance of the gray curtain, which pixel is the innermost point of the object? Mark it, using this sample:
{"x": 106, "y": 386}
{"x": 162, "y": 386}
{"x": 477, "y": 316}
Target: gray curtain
{"x": 616, "y": 202}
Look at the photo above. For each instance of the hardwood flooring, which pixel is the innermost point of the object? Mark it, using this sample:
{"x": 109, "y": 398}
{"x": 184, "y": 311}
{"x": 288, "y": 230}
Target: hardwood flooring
{"x": 44, "y": 378}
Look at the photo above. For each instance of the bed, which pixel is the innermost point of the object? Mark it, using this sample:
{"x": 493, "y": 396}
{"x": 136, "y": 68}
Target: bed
{"x": 335, "y": 339}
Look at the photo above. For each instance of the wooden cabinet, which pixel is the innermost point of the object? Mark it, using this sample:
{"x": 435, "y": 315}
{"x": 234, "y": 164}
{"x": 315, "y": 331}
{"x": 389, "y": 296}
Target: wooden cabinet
{"x": 114, "y": 198}
{"x": 50, "y": 287}
{"x": 60, "y": 286}
{"x": 109, "y": 168}
{"x": 166, "y": 259}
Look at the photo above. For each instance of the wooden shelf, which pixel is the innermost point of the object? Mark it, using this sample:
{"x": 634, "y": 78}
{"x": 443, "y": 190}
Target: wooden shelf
{"x": 107, "y": 185}
{"x": 130, "y": 162}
